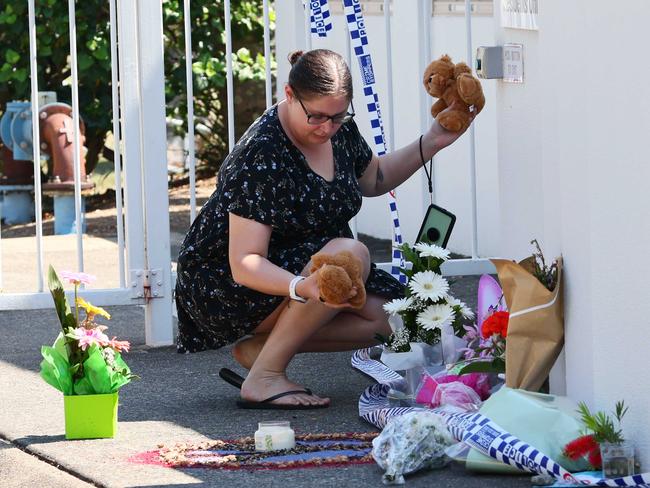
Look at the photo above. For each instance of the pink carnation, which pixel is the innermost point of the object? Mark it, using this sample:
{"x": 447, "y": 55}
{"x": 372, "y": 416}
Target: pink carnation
{"x": 77, "y": 278}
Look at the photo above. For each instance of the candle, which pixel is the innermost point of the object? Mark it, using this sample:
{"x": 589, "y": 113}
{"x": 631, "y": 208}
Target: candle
{"x": 274, "y": 436}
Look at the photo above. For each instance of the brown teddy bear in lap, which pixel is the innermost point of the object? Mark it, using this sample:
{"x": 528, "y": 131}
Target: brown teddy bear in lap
{"x": 455, "y": 87}
{"x": 337, "y": 275}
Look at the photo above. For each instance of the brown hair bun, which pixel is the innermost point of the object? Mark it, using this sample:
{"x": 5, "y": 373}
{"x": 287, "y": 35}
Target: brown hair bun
{"x": 294, "y": 56}
{"x": 318, "y": 73}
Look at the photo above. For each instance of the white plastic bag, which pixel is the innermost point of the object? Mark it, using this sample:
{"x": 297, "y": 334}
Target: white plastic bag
{"x": 410, "y": 442}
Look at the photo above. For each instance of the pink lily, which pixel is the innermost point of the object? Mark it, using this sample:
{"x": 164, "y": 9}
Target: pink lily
{"x": 471, "y": 332}
{"x": 468, "y": 353}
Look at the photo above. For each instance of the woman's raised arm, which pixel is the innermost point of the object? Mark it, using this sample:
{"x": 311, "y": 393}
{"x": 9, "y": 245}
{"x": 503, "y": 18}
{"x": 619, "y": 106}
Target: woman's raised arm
{"x": 387, "y": 172}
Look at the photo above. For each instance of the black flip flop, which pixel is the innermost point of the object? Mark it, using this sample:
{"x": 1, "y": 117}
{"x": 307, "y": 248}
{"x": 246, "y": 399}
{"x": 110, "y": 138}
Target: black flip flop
{"x": 231, "y": 377}
{"x": 267, "y": 405}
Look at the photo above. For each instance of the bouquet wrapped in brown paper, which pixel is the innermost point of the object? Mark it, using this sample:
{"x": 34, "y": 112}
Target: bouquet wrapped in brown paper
{"x": 536, "y": 325}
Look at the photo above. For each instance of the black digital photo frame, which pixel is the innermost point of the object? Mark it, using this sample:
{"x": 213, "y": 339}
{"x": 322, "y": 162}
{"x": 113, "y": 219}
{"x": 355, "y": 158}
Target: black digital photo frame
{"x": 436, "y": 226}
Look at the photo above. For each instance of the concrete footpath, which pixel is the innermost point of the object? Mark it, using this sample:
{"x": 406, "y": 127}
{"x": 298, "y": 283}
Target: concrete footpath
{"x": 179, "y": 398}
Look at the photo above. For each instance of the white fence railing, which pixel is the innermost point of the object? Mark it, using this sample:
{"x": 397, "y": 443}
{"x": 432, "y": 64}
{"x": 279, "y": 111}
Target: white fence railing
{"x": 138, "y": 104}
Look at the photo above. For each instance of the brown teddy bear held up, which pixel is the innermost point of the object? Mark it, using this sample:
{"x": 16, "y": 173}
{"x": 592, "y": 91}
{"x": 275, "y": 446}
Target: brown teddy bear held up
{"x": 337, "y": 275}
{"x": 453, "y": 84}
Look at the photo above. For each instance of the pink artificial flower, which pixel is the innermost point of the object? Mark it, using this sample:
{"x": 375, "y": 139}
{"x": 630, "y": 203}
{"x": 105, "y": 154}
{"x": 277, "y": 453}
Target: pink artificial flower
{"x": 119, "y": 346}
{"x": 88, "y": 337}
{"x": 471, "y": 332}
{"x": 77, "y": 278}
{"x": 468, "y": 352}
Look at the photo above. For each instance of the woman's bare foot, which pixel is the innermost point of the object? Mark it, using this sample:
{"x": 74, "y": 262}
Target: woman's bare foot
{"x": 246, "y": 351}
{"x": 257, "y": 388}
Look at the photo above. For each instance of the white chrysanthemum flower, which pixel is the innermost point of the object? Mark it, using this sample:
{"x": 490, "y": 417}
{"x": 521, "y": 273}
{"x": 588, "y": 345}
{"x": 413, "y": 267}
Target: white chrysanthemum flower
{"x": 398, "y": 305}
{"x": 431, "y": 250}
{"x": 436, "y": 316}
{"x": 465, "y": 311}
{"x": 427, "y": 284}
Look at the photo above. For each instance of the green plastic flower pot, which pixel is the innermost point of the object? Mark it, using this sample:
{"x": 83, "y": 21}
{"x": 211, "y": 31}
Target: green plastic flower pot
{"x": 90, "y": 416}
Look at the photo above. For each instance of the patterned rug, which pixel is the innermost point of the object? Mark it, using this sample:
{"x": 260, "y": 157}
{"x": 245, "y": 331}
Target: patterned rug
{"x": 312, "y": 450}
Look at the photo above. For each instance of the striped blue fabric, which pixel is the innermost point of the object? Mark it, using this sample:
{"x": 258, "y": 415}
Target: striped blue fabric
{"x": 373, "y": 403}
{"x": 474, "y": 429}
{"x": 492, "y": 440}
{"x": 359, "y": 41}
{"x": 320, "y": 16}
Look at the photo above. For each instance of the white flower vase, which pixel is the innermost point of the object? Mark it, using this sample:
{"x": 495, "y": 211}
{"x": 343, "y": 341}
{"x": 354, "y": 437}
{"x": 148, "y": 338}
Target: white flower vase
{"x": 450, "y": 345}
{"x": 413, "y": 363}
{"x": 396, "y": 322}
{"x": 402, "y": 361}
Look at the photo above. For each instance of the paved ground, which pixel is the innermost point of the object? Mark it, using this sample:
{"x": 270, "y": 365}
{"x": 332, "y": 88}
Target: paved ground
{"x": 180, "y": 397}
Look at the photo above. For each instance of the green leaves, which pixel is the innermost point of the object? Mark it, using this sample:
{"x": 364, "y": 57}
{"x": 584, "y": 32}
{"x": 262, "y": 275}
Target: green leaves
{"x": 497, "y": 365}
{"x": 120, "y": 374}
{"x": 96, "y": 371}
{"x": 93, "y": 41}
{"x": 209, "y": 68}
{"x": 55, "y": 370}
{"x": 61, "y": 306}
{"x": 11, "y": 56}
{"x": 8, "y": 16}
{"x": 602, "y": 425}
{"x": 101, "y": 377}
{"x": 85, "y": 61}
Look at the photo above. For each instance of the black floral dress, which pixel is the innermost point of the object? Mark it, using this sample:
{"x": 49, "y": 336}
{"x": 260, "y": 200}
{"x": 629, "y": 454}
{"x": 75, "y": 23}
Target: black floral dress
{"x": 267, "y": 179}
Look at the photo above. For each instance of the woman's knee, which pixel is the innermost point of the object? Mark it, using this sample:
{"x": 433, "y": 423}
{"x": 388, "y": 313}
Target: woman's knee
{"x": 357, "y": 248}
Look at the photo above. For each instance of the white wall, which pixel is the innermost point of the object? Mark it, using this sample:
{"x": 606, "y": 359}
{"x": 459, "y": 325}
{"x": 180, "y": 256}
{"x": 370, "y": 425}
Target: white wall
{"x": 452, "y": 189}
{"x": 574, "y": 172}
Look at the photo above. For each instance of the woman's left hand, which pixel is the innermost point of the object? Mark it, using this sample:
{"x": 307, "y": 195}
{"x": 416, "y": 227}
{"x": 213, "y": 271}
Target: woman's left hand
{"x": 308, "y": 288}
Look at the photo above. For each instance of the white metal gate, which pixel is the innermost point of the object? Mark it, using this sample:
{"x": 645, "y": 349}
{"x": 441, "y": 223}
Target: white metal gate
{"x": 144, "y": 235}
{"x": 143, "y": 238}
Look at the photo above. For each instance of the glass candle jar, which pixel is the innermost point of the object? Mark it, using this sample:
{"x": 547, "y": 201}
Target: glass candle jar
{"x": 618, "y": 459}
{"x": 274, "y": 436}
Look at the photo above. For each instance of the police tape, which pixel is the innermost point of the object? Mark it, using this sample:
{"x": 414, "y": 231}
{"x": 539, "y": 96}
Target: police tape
{"x": 321, "y": 19}
{"x": 474, "y": 429}
{"x": 359, "y": 40}
{"x": 487, "y": 437}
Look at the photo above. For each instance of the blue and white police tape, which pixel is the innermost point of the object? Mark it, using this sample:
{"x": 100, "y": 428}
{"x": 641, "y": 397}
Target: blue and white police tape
{"x": 359, "y": 41}
{"x": 472, "y": 428}
{"x": 487, "y": 437}
{"x": 373, "y": 403}
{"x": 321, "y": 19}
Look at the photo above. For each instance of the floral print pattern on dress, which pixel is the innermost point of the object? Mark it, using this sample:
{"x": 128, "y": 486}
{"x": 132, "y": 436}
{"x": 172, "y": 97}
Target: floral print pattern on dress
{"x": 267, "y": 179}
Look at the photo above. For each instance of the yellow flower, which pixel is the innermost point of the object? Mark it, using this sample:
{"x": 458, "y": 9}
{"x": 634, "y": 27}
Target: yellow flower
{"x": 91, "y": 309}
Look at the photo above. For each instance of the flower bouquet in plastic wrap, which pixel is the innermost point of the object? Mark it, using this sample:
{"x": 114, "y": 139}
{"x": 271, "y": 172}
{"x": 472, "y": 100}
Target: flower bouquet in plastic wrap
{"x": 428, "y": 322}
{"x": 471, "y": 380}
{"x": 409, "y": 443}
{"x": 84, "y": 364}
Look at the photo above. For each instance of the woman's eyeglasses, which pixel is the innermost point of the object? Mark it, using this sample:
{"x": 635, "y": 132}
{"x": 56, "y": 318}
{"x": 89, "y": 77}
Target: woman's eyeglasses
{"x": 318, "y": 119}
